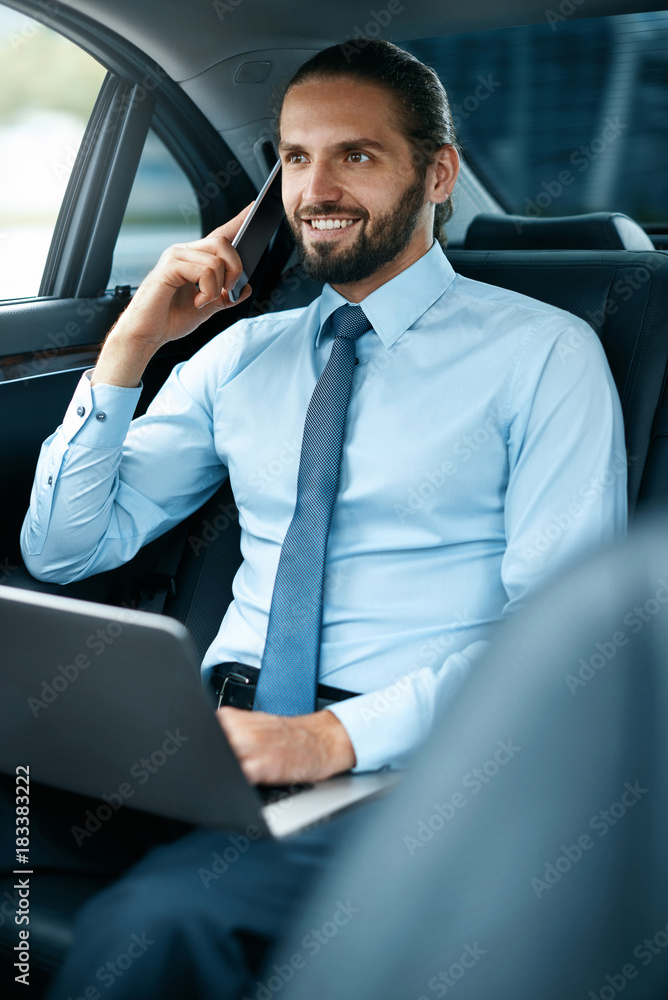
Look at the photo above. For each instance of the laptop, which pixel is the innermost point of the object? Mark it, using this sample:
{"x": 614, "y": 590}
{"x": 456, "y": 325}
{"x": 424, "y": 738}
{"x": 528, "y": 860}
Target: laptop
{"x": 108, "y": 702}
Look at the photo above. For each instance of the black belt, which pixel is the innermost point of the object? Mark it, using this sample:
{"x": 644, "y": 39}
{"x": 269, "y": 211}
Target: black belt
{"x": 235, "y": 684}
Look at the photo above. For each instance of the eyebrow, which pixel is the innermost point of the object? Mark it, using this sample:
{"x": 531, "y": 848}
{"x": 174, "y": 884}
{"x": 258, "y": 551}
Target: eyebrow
{"x": 340, "y": 147}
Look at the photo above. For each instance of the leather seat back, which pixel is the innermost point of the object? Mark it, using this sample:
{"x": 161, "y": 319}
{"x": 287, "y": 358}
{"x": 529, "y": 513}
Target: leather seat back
{"x": 594, "y": 231}
{"x": 623, "y": 295}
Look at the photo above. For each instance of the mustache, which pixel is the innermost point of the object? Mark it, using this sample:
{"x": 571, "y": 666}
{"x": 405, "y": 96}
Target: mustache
{"x": 339, "y": 211}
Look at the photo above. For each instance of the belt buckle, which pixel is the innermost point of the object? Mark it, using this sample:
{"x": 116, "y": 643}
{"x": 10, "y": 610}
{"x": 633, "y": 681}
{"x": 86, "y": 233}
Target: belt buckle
{"x": 230, "y": 677}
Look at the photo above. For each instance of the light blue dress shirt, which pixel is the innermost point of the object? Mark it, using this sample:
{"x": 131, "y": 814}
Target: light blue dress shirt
{"x": 483, "y": 450}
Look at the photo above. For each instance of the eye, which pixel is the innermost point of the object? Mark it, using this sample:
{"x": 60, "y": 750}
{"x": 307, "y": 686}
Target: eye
{"x": 358, "y": 156}
{"x": 296, "y": 158}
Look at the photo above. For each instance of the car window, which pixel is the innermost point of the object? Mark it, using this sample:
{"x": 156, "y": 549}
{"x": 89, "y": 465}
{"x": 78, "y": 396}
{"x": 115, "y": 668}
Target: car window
{"x": 564, "y": 116}
{"x": 162, "y": 209}
{"x": 48, "y": 87}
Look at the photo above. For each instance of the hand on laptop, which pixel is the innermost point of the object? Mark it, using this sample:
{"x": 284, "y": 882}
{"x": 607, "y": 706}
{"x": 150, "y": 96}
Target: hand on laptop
{"x": 275, "y": 750}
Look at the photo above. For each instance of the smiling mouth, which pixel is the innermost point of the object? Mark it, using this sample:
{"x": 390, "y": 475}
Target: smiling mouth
{"x": 330, "y": 223}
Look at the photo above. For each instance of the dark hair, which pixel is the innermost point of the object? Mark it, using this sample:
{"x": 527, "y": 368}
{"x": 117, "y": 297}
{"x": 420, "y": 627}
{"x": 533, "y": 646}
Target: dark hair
{"x": 423, "y": 110}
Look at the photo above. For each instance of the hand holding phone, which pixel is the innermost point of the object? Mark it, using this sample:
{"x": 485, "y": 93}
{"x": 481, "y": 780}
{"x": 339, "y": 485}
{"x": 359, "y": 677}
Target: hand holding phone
{"x": 258, "y": 228}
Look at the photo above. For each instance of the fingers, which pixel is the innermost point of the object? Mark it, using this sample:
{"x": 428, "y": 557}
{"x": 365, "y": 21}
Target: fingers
{"x": 211, "y": 264}
{"x": 214, "y": 270}
{"x": 255, "y": 740}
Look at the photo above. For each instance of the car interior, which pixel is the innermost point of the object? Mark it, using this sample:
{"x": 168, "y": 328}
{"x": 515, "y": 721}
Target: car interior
{"x": 177, "y": 112}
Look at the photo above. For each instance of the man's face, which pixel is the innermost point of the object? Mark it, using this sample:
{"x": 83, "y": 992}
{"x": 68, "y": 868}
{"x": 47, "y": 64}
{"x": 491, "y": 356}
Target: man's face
{"x": 352, "y": 196}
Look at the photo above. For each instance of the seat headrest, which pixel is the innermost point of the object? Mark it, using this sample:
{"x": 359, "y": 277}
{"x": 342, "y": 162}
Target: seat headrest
{"x": 596, "y": 231}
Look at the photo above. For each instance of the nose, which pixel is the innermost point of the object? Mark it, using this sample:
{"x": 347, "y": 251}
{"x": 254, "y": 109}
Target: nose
{"x": 322, "y": 184}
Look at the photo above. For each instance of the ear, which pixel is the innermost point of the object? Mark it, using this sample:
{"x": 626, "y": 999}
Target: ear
{"x": 442, "y": 174}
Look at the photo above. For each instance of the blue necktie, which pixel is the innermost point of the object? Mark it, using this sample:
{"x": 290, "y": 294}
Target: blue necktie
{"x": 288, "y": 680}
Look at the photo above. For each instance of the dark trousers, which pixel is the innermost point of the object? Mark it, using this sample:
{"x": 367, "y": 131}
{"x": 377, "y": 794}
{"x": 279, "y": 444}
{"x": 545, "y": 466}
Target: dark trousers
{"x": 192, "y": 912}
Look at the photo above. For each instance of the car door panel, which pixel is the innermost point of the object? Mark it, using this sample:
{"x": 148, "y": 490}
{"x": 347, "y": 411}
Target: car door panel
{"x": 47, "y": 342}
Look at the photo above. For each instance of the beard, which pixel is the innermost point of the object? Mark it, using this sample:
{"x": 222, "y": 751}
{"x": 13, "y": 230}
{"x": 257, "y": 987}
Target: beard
{"x": 390, "y": 235}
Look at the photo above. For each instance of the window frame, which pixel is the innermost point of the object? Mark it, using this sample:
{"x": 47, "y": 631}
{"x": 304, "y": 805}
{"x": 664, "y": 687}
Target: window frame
{"x": 136, "y": 95}
{"x": 90, "y": 217}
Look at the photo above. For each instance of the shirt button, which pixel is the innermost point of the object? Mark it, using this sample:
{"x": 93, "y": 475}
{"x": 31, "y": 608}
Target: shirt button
{"x": 50, "y": 480}
{"x": 101, "y": 416}
{"x": 81, "y": 411}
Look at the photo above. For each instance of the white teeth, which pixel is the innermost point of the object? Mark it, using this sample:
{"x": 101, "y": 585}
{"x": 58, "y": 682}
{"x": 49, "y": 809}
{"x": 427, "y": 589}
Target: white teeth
{"x": 331, "y": 223}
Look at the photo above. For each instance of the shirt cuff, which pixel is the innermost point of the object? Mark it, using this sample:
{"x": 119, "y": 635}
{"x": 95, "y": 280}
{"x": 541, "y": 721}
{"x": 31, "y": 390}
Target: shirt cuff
{"x": 385, "y": 727}
{"x": 99, "y": 415}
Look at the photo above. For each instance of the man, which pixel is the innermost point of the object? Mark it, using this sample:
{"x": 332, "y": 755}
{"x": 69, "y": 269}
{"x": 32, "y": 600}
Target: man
{"x": 474, "y": 431}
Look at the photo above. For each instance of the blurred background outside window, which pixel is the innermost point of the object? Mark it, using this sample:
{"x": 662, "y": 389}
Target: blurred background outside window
{"x": 566, "y": 116}
{"x": 557, "y": 118}
{"x": 48, "y": 87}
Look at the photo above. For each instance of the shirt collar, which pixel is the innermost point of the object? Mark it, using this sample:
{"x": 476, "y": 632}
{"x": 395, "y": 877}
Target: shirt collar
{"x": 399, "y": 303}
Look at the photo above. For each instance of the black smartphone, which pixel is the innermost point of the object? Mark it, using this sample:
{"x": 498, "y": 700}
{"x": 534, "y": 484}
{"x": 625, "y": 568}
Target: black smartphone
{"x": 258, "y": 228}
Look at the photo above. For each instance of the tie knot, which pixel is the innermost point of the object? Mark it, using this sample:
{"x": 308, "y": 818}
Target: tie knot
{"x": 350, "y": 322}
